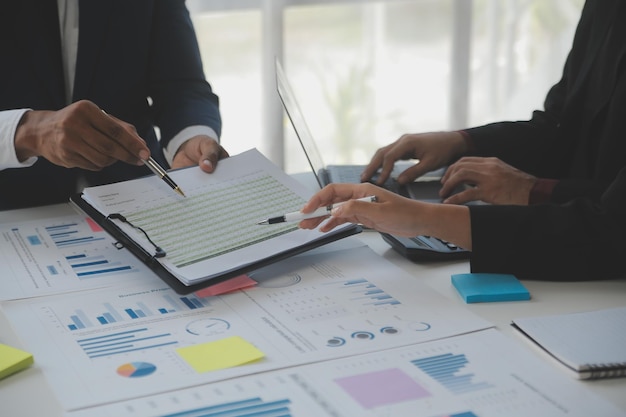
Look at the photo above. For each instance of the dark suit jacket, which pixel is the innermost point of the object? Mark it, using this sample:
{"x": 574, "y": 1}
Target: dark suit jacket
{"x": 127, "y": 51}
{"x": 580, "y": 140}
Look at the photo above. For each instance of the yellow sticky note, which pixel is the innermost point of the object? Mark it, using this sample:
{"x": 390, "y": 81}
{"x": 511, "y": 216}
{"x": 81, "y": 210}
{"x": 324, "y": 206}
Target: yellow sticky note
{"x": 13, "y": 360}
{"x": 224, "y": 353}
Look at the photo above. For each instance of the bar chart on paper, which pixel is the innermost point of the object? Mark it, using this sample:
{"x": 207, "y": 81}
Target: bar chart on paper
{"x": 69, "y": 233}
{"x": 104, "y": 328}
{"x": 117, "y": 343}
{"x": 124, "y": 342}
{"x": 268, "y": 395}
{"x": 478, "y": 374}
{"x": 413, "y": 380}
{"x": 64, "y": 253}
{"x": 363, "y": 292}
{"x": 87, "y": 249}
{"x": 447, "y": 369}
{"x": 243, "y": 408}
{"x": 108, "y": 313}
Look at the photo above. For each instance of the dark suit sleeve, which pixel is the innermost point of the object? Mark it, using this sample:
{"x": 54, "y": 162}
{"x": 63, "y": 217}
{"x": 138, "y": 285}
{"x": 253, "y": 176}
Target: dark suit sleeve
{"x": 546, "y": 145}
{"x": 532, "y": 145}
{"x": 180, "y": 93}
{"x": 576, "y": 241}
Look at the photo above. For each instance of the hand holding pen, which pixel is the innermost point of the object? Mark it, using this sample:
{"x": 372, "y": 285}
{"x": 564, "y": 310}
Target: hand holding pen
{"x": 160, "y": 172}
{"x": 80, "y": 135}
{"x": 149, "y": 161}
{"x": 297, "y": 216}
{"x": 391, "y": 213}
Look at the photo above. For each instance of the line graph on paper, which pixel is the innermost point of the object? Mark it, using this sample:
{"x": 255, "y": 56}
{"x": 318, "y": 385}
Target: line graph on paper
{"x": 218, "y": 220}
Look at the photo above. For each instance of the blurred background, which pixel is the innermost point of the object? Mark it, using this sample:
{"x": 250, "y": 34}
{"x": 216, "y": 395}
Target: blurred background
{"x": 366, "y": 72}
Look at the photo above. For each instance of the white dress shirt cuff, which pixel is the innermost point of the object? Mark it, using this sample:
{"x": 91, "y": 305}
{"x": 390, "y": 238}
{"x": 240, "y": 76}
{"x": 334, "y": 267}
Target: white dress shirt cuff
{"x": 9, "y": 119}
{"x": 184, "y": 135}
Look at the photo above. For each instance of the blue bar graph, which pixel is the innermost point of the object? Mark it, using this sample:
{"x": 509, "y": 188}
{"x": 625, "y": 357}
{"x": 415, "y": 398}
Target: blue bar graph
{"x": 85, "y": 266}
{"x": 33, "y": 240}
{"x": 68, "y": 234}
{"x": 193, "y": 302}
{"x": 366, "y": 293}
{"x": 131, "y": 313}
{"x": 248, "y": 407}
{"x": 124, "y": 342}
{"x": 444, "y": 369}
{"x": 109, "y": 314}
{"x": 76, "y": 323}
{"x": 108, "y": 317}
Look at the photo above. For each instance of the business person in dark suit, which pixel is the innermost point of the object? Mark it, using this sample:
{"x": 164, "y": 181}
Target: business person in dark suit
{"x": 83, "y": 84}
{"x": 557, "y": 183}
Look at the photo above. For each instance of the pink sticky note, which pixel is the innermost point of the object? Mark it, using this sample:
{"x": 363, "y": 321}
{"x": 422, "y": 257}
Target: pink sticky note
{"x": 95, "y": 227}
{"x": 233, "y": 284}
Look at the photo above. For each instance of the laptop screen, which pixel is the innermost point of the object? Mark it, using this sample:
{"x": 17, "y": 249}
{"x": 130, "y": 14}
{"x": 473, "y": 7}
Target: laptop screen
{"x": 298, "y": 122}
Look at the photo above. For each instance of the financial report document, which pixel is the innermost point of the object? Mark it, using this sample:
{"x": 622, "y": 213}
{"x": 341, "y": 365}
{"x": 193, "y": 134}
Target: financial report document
{"x": 69, "y": 252}
{"x": 479, "y": 374}
{"x": 112, "y": 344}
{"x": 214, "y": 229}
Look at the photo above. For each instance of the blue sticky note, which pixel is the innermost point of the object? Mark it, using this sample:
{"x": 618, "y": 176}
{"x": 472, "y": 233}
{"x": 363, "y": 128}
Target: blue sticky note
{"x": 483, "y": 288}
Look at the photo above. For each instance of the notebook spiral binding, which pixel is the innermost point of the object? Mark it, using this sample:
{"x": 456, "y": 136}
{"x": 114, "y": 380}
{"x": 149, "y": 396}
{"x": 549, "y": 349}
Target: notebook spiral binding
{"x": 608, "y": 370}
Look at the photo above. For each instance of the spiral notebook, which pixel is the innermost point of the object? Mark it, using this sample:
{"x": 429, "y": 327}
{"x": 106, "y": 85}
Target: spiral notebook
{"x": 592, "y": 344}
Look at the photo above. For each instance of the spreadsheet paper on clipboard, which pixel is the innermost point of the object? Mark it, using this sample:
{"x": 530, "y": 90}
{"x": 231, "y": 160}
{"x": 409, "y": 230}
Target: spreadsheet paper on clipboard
{"x": 213, "y": 232}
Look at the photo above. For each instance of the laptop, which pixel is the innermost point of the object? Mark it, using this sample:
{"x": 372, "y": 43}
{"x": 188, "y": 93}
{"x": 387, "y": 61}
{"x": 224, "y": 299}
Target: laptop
{"x": 419, "y": 248}
{"x": 327, "y": 174}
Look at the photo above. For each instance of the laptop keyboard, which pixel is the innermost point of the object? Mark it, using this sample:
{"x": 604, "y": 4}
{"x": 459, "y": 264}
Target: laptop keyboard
{"x": 352, "y": 174}
{"x": 346, "y": 173}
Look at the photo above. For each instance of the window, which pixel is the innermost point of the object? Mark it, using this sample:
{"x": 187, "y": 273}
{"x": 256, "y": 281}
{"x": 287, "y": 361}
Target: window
{"x": 365, "y": 72}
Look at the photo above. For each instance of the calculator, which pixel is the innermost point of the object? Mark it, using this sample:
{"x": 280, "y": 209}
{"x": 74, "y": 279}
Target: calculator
{"x": 425, "y": 248}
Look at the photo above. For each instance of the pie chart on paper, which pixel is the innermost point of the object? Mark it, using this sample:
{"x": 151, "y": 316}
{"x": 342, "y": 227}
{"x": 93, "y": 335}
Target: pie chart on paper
{"x": 136, "y": 369}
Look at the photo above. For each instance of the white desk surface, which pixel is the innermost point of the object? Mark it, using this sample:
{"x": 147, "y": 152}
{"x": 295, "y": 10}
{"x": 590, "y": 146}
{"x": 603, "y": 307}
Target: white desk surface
{"x": 28, "y": 394}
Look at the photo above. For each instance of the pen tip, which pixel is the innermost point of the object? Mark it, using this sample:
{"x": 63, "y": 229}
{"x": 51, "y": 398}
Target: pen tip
{"x": 179, "y": 191}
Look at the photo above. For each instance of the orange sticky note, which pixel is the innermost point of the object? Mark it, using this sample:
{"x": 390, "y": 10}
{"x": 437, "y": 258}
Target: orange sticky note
{"x": 221, "y": 354}
{"x": 233, "y": 284}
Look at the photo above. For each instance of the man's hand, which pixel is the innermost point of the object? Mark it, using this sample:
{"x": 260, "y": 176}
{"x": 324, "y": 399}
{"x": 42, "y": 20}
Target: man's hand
{"x": 199, "y": 150}
{"x": 80, "y": 135}
{"x": 492, "y": 181}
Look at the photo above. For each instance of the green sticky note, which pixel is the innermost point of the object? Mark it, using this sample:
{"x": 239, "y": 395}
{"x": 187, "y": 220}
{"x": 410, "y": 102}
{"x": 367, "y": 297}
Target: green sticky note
{"x": 13, "y": 360}
{"x": 483, "y": 288}
{"x": 224, "y": 353}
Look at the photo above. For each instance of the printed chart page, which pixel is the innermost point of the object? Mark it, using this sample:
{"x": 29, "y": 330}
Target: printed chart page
{"x": 113, "y": 344}
{"x": 66, "y": 253}
{"x": 215, "y": 228}
{"x": 482, "y": 374}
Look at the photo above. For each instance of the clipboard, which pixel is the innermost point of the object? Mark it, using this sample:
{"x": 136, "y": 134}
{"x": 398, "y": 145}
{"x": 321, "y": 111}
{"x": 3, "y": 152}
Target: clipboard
{"x": 156, "y": 264}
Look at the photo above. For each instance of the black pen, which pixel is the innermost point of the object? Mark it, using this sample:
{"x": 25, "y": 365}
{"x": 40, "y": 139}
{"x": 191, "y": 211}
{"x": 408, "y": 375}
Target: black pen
{"x": 296, "y": 216}
{"x": 158, "y": 170}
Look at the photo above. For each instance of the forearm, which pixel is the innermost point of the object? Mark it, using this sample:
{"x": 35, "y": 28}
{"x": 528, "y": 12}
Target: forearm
{"x": 526, "y": 145}
{"x": 571, "y": 242}
{"x": 448, "y": 222}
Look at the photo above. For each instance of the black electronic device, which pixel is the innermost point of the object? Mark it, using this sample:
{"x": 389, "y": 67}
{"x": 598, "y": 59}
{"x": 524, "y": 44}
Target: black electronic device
{"x": 420, "y": 248}
{"x": 425, "y": 248}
